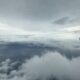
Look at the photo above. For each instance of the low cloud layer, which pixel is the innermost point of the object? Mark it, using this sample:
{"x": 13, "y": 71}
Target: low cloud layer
{"x": 50, "y": 66}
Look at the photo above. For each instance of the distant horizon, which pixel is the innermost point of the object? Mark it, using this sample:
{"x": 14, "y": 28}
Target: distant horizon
{"x": 39, "y": 39}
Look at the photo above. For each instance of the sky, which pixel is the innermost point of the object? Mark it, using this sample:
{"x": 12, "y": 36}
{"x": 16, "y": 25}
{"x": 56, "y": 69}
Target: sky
{"x": 53, "y": 24}
{"x": 39, "y": 15}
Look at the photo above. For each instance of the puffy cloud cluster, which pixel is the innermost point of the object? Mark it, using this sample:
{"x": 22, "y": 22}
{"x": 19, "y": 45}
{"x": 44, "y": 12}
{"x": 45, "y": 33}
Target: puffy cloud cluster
{"x": 50, "y": 66}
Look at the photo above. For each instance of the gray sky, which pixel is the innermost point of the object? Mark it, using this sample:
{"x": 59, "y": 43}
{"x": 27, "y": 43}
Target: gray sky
{"x": 40, "y": 15}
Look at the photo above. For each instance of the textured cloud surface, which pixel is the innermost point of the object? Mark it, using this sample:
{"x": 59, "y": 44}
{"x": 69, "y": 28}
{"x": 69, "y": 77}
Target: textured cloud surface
{"x": 51, "y": 66}
{"x": 30, "y": 27}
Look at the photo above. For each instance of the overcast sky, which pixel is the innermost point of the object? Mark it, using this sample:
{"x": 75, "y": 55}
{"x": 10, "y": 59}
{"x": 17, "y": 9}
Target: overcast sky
{"x": 40, "y": 15}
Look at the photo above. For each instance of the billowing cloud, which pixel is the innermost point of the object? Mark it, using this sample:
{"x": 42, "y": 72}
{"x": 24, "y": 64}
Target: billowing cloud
{"x": 50, "y": 66}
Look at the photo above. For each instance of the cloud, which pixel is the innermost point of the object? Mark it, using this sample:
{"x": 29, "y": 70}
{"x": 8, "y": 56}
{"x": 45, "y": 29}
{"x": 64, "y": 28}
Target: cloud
{"x": 4, "y": 66}
{"x": 39, "y": 14}
{"x": 62, "y": 21}
{"x": 50, "y": 65}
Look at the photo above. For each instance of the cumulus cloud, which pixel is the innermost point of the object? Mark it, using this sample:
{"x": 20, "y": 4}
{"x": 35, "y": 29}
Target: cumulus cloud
{"x": 47, "y": 67}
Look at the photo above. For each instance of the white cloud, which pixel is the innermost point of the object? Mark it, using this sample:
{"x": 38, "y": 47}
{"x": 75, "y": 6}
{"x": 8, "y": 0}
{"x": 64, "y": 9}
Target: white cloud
{"x": 5, "y": 29}
{"x": 49, "y": 65}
